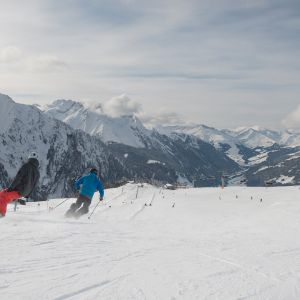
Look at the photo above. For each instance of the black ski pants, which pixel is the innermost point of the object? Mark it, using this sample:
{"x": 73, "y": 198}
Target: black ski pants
{"x": 83, "y": 201}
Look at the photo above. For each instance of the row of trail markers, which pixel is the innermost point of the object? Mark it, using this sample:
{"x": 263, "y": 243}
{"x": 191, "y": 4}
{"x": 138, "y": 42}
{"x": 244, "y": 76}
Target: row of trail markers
{"x": 237, "y": 197}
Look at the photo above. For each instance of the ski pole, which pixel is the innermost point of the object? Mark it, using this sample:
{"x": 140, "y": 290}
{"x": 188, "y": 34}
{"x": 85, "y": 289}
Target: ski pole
{"x": 16, "y": 204}
{"x": 59, "y": 204}
{"x": 94, "y": 209}
{"x": 99, "y": 203}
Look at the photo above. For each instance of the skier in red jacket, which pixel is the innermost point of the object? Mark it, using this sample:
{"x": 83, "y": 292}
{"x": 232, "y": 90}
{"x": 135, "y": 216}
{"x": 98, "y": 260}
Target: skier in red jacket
{"x": 23, "y": 184}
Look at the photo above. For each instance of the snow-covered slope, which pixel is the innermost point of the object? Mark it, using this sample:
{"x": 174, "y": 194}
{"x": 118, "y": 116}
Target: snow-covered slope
{"x": 189, "y": 244}
{"x": 126, "y": 130}
{"x": 290, "y": 138}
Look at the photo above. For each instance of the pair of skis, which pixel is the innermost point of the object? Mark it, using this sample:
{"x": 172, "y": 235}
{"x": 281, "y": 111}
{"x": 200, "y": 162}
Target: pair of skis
{"x": 76, "y": 215}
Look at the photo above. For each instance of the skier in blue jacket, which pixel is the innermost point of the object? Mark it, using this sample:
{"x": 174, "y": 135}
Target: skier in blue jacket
{"x": 87, "y": 185}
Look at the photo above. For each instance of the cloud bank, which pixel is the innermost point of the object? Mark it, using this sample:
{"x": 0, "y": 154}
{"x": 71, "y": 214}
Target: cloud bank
{"x": 222, "y": 63}
{"x": 121, "y": 106}
{"x": 10, "y": 54}
{"x": 12, "y": 58}
{"x": 164, "y": 116}
{"x": 293, "y": 119}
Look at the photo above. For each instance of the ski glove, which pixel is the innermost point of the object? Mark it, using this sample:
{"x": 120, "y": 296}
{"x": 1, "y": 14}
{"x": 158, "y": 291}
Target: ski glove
{"x": 22, "y": 201}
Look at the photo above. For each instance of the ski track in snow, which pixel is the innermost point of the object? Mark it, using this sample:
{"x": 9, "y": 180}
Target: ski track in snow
{"x": 213, "y": 244}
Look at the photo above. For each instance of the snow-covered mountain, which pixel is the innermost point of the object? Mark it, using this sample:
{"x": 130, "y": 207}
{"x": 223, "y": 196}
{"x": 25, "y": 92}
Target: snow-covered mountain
{"x": 290, "y": 138}
{"x": 188, "y": 155}
{"x": 278, "y": 165}
{"x": 221, "y": 140}
{"x": 64, "y": 153}
{"x": 208, "y": 134}
{"x": 251, "y": 137}
{"x": 126, "y": 130}
{"x": 239, "y": 144}
{"x": 264, "y": 155}
{"x": 192, "y": 159}
{"x": 129, "y": 130}
{"x": 256, "y": 136}
{"x": 70, "y": 137}
{"x": 249, "y": 147}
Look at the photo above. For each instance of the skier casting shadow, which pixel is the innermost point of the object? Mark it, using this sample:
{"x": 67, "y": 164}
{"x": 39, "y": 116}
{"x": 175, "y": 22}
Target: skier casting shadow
{"x": 23, "y": 184}
{"x": 88, "y": 185}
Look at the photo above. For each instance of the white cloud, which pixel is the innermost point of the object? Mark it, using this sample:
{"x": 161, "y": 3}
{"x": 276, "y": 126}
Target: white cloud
{"x": 123, "y": 105}
{"x": 47, "y": 62}
{"x": 293, "y": 119}
{"x": 163, "y": 117}
{"x": 10, "y": 54}
{"x": 13, "y": 57}
{"x": 120, "y": 106}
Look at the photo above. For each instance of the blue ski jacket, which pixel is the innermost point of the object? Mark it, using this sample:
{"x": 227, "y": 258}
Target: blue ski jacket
{"x": 89, "y": 184}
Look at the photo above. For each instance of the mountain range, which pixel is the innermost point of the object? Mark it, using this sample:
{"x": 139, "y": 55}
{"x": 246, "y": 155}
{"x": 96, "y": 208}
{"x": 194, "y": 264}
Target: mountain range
{"x": 130, "y": 131}
{"x": 70, "y": 137}
{"x": 252, "y": 149}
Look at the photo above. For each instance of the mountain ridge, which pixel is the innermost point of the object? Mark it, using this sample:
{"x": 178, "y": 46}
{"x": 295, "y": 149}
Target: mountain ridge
{"x": 197, "y": 155}
{"x": 66, "y": 153}
{"x": 250, "y": 136}
{"x": 248, "y": 146}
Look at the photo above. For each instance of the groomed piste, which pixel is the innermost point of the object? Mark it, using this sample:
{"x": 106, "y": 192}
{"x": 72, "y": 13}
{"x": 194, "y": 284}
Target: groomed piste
{"x": 145, "y": 242}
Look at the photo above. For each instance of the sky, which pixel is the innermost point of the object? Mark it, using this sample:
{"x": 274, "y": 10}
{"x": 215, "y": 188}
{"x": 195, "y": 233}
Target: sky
{"x": 223, "y": 63}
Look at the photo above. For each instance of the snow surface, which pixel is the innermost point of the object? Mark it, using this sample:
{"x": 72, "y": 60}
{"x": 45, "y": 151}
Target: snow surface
{"x": 152, "y": 161}
{"x": 293, "y": 156}
{"x": 237, "y": 180}
{"x": 258, "y": 159}
{"x": 261, "y": 169}
{"x": 189, "y": 244}
{"x": 285, "y": 179}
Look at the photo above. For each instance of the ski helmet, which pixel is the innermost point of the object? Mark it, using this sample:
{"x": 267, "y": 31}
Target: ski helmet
{"x": 33, "y": 155}
{"x": 94, "y": 170}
